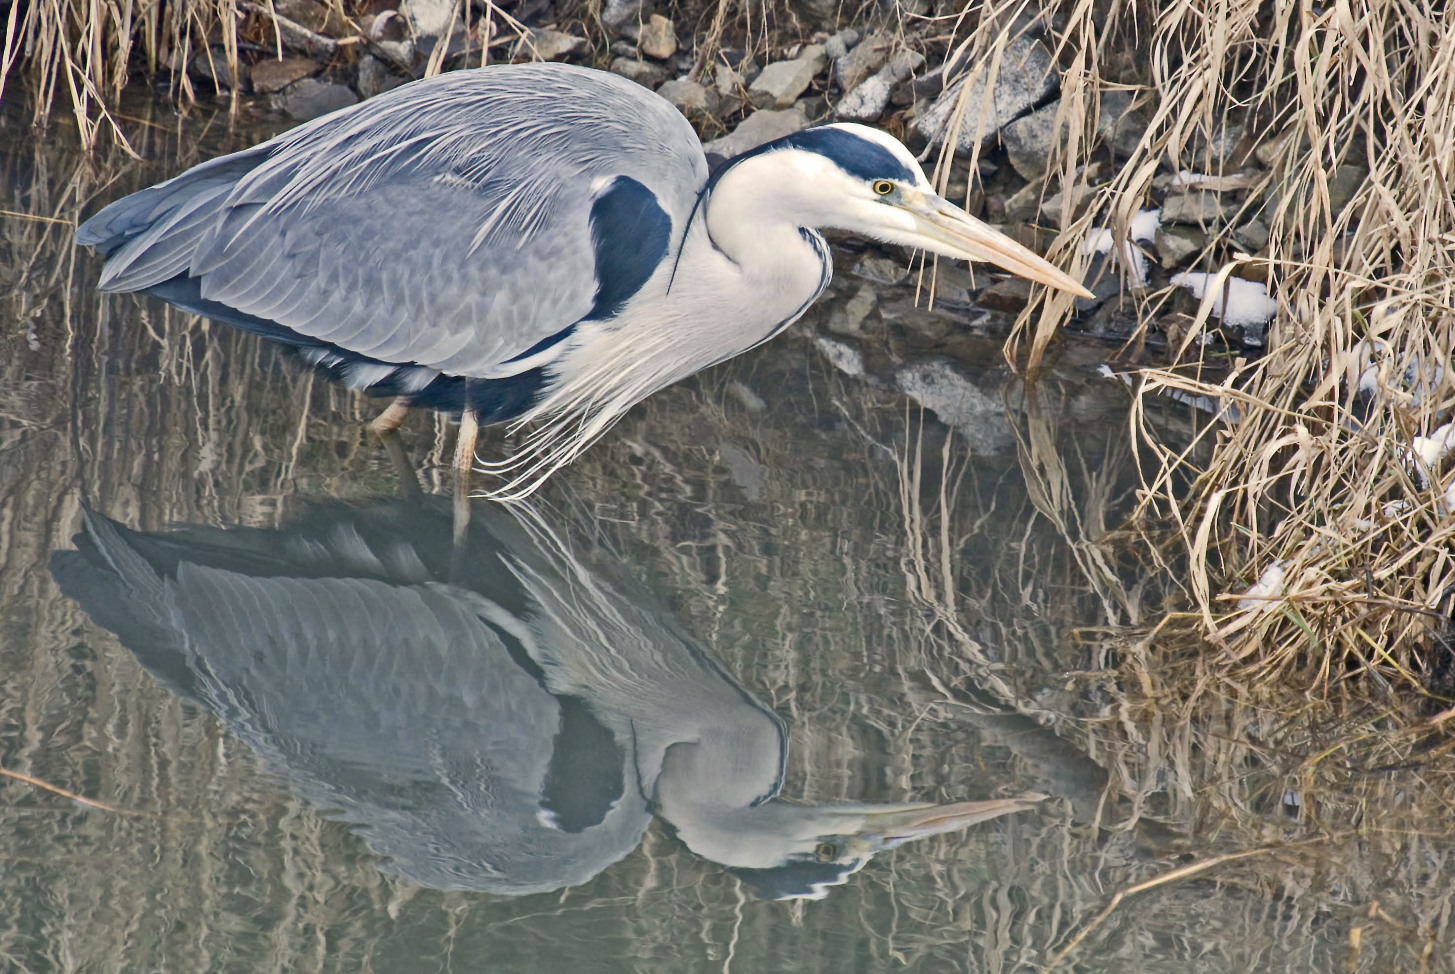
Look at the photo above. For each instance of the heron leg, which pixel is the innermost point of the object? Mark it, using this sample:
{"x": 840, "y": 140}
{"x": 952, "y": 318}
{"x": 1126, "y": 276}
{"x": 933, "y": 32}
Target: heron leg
{"x": 388, "y": 421}
{"x": 465, "y": 444}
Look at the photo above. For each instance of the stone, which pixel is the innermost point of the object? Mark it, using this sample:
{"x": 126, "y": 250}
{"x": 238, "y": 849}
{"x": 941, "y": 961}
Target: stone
{"x": 977, "y": 415}
{"x": 762, "y": 126}
{"x": 658, "y": 38}
{"x": 1176, "y": 245}
{"x": 1344, "y": 184}
{"x": 430, "y": 18}
{"x": 1020, "y": 206}
{"x": 1026, "y": 77}
{"x": 1252, "y": 236}
{"x": 1198, "y": 207}
{"x": 779, "y": 84}
{"x": 642, "y": 72}
{"x": 373, "y": 77}
{"x": 211, "y": 65}
{"x": 840, "y": 44}
{"x": 880, "y": 270}
{"x": 868, "y": 99}
{"x": 271, "y": 74}
{"x": 553, "y": 45}
{"x": 310, "y": 98}
{"x": 865, "y": 59}
{"x": 1119, "y": 125}
{"x": 617, "y": 13}
{"x": 1220, "y": 151}
{"x": 850, "y": 317}
{"x": 1028, "y": 141}
{"x": 1053, "y": 205}
{"x": 690, "y": 97}
{"x": 842, "y": 357}
{"x": 1009, "y": 295}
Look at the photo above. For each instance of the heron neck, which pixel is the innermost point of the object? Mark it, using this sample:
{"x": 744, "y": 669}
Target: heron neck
{"x": 757, "y": 223}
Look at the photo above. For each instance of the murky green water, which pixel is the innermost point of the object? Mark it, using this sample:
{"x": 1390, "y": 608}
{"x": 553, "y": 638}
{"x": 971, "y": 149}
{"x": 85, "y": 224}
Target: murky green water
{"x": 923, "y": 599}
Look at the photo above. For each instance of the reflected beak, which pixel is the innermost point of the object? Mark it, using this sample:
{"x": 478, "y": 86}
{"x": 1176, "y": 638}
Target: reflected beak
{"x": 908, "y": 822}
{"x": 944, "y": 228}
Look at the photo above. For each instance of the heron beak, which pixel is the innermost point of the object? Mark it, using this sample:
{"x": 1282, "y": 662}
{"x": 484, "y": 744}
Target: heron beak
{"x": 944, "y": 228}
{"x": 908, "y": 822}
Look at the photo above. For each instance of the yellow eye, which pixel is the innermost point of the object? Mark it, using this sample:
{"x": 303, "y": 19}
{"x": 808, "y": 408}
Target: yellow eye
{"x": 883, "y": 187}
{"x": 827, "y": 851}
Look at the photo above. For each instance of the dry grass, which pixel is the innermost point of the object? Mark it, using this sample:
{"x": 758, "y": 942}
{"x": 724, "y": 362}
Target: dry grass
{"x": 1314, "y": 478}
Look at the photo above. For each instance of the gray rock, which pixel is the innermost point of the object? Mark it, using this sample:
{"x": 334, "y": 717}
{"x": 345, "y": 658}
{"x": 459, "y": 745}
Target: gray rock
{"x": 1118, "y": 125}
{"x": 617, "y": 13}
{"x": 271, "y": 74}
{"x": 1025, "y": 202}
{"x": 1026, "y": 77}
{"x": 864, "y": 60}
{"x": 838, "y": 45}
{"x": 779, "y": 84}
{"x": 762, "y": 126}
{"x": 1051, "y": 208}
{"x": 1177, "y": 245}
{"x": 642, "y": 72}
{"x": 374, "y": 77}
{"x": 868, "y": 99}
{"x": 1198, "y": 207}
{"x": 1344, "y": 184}
{"x": 1219, "y": 152}
{"x": 1252, "y": 236}
{"x": 310, "y": 98}
{"x": 1029, "y": 140}
{"x": 849, "y": 318}
{"x": 429, "y": 19}
{"x": 690, "y": 97}
{"x": 658, "y": 38}
{"x": 211, "y": 65}
{"x": 552, "y": 45}
{"x": 880, "y": 270}
{"x": 842, "y": 357}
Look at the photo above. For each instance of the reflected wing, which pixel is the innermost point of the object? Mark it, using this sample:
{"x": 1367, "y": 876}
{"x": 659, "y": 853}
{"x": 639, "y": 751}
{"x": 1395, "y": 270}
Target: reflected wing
{"x": 447, "y": 223}
{"x": 415, "y": 710}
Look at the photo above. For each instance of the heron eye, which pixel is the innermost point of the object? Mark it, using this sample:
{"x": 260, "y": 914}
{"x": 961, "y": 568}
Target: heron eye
{"x": 883, "y": 187}
{"x": 826, "y": 852}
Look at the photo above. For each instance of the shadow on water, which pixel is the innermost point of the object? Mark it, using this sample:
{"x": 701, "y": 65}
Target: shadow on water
{"x": 940, "y": 605}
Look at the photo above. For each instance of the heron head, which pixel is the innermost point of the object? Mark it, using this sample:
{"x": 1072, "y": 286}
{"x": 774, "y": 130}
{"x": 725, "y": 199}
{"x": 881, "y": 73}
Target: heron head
{"x": 786, "y": 850}
{"x": 856, "y": 178}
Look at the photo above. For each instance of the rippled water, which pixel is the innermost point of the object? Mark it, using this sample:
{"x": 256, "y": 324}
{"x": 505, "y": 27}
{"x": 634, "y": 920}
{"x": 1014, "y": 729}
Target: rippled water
{"x": 287, "y": 724}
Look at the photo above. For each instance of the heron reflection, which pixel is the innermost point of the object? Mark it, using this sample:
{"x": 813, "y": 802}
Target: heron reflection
{"x": 508, "y": 722}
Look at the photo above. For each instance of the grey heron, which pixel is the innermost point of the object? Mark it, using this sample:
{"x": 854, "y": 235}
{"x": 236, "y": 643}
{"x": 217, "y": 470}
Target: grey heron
{"x": 509, "y": 722}
{"x": 534, "y": 243}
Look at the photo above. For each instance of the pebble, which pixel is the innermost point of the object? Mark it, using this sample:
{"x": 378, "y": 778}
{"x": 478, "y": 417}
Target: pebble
{"x": 868, "y": 99}
{"x": 779, "y": 84}
{"x": 310, "y": 98}
{"x": 1176, "y": 245}
{"x": 871, "y": 53}
{"x": 429, "y": 18}
{"x": 211, "y": 65}
{"x": 1252, "y": 236}
{"x": 552, "y": 45}
{"x": 838, "y": 45}
{"x": 880, "y": 270}
{"x": 642, "y": 72}
{"x": 690, "y": 97}
{"x": 1198, "y": 207}
{"x": 1051, "y": 208}
{"x": 764, "y": 125}
{"x": 849, "y": 318}
{"x": 658, "y": 38}
{"x": 1219, "y": 152}
{"x": 618, "y": 13}
{"x": 1026, "y": 77}
{"x": 1118, "y": 125}
{"x": 270, "y": 74}
{"x": 373, "y": 76}
{"x": 1030, "y": 139}
{"x": 1010, "y": 294}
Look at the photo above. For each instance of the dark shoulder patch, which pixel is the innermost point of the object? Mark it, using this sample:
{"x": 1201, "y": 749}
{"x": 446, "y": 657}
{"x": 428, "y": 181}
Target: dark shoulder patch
{"x": 630, "y": 233}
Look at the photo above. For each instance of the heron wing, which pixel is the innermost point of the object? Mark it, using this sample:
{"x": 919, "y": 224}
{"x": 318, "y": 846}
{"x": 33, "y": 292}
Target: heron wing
{"x": 455, "y": 223}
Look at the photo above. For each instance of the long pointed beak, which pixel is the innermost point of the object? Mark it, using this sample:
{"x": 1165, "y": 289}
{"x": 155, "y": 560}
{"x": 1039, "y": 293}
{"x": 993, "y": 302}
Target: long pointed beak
{"x": 950, "y": 231}
{"x": 906, "y": 823}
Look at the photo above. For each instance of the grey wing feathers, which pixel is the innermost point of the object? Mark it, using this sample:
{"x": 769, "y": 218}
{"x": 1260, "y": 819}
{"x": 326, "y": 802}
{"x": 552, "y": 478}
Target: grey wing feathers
{"x": 444, "y": 223}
